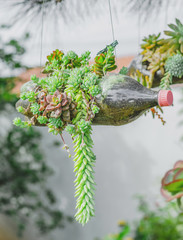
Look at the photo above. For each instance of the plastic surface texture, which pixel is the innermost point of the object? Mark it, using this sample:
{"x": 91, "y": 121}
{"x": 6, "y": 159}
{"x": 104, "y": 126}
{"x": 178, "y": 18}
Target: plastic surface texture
{"x": 123, "y": 100}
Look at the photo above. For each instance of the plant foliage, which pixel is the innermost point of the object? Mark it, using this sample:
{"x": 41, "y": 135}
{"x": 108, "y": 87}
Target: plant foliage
{"x": 123, "y": 232}
{"x": 172, "y": 183}
{"x": 21, "y": 197}
{"x": 6, "y": 85}
{"x": 162, "y": 57}
{"x": 11, "y": 52}
{"x": 161, "y": 223}
{"x": 67, "y": 96}
{"x": 24, "y": 195}
{"x": 175, "y": 40}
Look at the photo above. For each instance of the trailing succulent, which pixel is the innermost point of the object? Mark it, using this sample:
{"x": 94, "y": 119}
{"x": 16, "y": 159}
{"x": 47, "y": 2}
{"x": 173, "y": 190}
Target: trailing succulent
{"x": 65, "y": 100}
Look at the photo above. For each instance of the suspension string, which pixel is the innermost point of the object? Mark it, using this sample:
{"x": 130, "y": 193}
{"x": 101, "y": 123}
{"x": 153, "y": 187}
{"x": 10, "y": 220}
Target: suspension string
{"x": 139, "y": 32}
{"x": 112, "y": 26}
{"x": 42, "y": 25}
{"x": 138, "y": 27}
{"x": 166, "y": 12}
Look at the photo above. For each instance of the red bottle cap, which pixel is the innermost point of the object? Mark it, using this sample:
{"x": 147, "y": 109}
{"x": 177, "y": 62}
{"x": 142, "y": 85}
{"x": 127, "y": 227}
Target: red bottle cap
{"x": 165, "y": 98}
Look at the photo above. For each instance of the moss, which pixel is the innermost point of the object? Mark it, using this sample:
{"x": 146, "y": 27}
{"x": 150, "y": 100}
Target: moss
{"x": 108, "y": 82}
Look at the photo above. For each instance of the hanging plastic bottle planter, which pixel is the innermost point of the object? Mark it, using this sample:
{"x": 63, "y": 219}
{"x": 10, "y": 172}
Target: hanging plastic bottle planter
{"x": 160, "y": 62}
{"x": 75, "y": 95}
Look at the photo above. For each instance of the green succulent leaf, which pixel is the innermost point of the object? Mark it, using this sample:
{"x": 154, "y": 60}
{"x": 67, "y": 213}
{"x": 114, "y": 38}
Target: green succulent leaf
{"x": 35, "y": 108}
{"x": 20, "y": 109}
{"x": 123, "y": 71}
{"x": 22, "y": 124}
{"x": 42, "y": 119}
{"x": 174, "y": 65}
{"x": 173, "y": 27}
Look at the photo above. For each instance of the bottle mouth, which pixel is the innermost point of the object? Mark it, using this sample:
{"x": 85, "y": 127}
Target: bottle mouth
{"x": 165, "y": 98}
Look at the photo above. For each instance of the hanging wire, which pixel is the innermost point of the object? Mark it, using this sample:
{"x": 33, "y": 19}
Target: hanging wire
{"x": 112, "y": 27}
{"x": 110, "y": 12}
{"x": 139, "y": 26}
{"x": 42, "y": 25}
{"x": 139, "y": 30}
{"x": 166, "y": 12}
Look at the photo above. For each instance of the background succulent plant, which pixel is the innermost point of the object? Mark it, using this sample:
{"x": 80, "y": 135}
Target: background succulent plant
{"x": 152, "y": 42}
{"x": 162, "y": 57}
{"x": 172, "y": 182}
{"x": 174, "y": 65}
{"x": 175, "y": 42}
{"x": 174, "y": 68}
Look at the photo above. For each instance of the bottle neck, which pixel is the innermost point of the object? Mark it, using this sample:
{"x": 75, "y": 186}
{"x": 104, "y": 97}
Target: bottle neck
{"x": 124, "y": 98}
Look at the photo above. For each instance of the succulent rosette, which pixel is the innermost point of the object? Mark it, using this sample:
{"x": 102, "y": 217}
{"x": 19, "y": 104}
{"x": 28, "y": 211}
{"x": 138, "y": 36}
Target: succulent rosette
{"x": 172, "y": 183}
{"x": 56, "y": 104}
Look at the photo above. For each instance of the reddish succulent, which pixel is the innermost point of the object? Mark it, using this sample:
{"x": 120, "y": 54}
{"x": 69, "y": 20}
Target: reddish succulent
{"x": 55, "y": 55}
{"x": 57, "y": 105}
{"x": 42, "y": 100}
{"x": 172, "y": 183}
{"x": 54, "y": 104}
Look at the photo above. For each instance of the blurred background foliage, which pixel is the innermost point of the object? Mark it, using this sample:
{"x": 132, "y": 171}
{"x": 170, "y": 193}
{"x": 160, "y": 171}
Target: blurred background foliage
{"x": 24, "y": 195}
{"x": 23, "y": 172}
{"x": 6, "y": 85}
{"x": 158, "y": 223}
{"x": 10, "y": 60}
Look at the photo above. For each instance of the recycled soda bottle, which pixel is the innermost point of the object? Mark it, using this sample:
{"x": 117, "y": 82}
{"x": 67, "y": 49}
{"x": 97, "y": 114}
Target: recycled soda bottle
{"x": 123, "y": 100}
